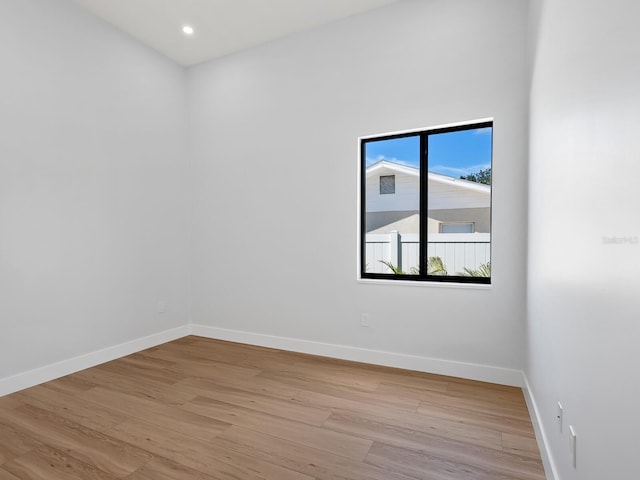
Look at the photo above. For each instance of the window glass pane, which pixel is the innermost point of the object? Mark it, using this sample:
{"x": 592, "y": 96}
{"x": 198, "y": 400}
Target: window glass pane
{"x": 392, "y": 205}
{"x": 459, "y": 193}
{"x": 457, "y": 228}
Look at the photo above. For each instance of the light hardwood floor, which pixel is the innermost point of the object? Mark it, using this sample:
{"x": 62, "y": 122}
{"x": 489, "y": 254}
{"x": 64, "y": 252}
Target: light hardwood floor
{"x": 199, "y": 409}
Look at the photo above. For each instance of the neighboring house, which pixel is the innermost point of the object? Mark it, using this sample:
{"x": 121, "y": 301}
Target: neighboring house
{"x": 393, "y": 196}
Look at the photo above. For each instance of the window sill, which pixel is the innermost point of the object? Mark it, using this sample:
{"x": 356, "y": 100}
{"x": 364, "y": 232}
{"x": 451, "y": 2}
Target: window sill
{"x": 409, "y": 283}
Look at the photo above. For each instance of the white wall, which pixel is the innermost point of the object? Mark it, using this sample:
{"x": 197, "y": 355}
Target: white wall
{"x": 274, "y": 141}
{"x": 92, "y": 186}
{"x": 93, "y": 193}
{"x": 583, "y": 302}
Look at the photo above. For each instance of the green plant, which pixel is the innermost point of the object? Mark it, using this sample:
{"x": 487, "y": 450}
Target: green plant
{"x": 434, "y": 267}
{"x": 398, "y": 270}
{"x": 483, "y": 270}
{"x": 483, "y": 176}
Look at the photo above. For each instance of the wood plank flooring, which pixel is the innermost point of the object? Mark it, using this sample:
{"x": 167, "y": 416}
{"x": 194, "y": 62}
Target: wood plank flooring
{"x": 199, "y": 409}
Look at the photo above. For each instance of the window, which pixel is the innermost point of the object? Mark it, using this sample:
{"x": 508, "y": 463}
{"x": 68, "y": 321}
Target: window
{"x": 387, "y": 184}
{"x": 437, "y": 225}
{"x": 457, "y": 228}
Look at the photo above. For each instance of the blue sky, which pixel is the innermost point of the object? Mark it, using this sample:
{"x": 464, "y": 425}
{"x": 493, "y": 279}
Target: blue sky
{"x": 454, "y": 154}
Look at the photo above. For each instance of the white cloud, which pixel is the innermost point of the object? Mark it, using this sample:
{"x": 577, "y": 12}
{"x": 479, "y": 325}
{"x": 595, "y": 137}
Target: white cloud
{"x": 458, "y": 172}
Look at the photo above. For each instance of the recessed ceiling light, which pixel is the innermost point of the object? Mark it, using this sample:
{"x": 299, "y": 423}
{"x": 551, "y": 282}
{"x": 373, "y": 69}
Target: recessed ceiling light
{"x": 187, "y": 30}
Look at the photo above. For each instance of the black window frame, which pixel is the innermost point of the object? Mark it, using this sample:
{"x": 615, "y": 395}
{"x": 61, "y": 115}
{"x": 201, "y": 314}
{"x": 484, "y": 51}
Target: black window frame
{"x": 424, "y": 206}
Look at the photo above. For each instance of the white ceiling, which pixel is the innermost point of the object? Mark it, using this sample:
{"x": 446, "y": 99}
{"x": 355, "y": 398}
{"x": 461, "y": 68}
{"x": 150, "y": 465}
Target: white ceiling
{"x": 221, "y": 26}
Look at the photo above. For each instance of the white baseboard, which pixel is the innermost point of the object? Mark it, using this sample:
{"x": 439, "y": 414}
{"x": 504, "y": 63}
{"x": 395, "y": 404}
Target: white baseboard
{"x": 543, "y": 443}
{"x": 65, "y": 367}
{"x": 470, "y": 371}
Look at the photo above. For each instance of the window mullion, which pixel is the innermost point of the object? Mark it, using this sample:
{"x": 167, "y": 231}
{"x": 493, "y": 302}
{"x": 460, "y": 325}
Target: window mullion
{"x": 424, "y": 220}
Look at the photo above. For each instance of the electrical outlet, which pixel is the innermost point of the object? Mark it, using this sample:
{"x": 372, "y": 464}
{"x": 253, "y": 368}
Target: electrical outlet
{"x": 364, "y": 320}
{"x": 560, "y": 416}
{"x": 572, "y": 446}
{"x": 162, "y": 306}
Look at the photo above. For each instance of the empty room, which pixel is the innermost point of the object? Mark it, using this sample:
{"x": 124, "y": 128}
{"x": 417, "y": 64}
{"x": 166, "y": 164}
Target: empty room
{"x": 319, "y": 239}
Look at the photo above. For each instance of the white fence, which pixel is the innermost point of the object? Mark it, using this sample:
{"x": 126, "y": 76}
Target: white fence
{"x": 457, "y": 251}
